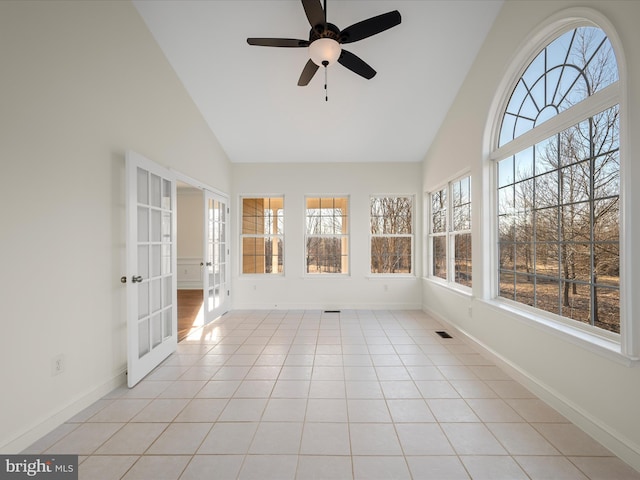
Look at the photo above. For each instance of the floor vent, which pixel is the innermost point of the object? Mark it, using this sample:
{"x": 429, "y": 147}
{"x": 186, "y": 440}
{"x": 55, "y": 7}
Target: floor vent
{"x": 444, "y": 334}
{"x": 332, "y": 311}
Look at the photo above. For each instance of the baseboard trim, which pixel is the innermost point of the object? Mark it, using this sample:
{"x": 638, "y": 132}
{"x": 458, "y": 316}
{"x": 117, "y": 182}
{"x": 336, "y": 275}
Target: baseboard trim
{"x": 328, "y": 306}
{"x": 617, "y": 443}
{"x": 74, "y": 407}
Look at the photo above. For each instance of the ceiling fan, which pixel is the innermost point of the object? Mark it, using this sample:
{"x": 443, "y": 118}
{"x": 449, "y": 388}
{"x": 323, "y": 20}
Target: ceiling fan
{"x": 325, "y": 40}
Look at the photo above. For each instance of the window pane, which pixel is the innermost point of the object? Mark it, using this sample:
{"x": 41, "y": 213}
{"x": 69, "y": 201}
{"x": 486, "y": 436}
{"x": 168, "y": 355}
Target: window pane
{"x": 262, "y": 227}
{"x": 326, "y": 255}
{"x": 391, "y": 215}
{"x": 568, "y": 70}
{"x": 439, "y": 211}
{"x": 558, "y": 200}
{"x": 462, "y": 259}
{"x": 327, "y": 235}
{"x": 391, "y": 255}
{"x": 439, "y": 256}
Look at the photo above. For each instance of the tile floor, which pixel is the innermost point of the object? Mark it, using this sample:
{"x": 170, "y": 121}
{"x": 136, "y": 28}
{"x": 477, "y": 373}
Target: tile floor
{"x": 313, "y": 395}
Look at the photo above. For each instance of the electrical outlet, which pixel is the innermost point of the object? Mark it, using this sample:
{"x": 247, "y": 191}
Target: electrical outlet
{"x": 57, "y": 365}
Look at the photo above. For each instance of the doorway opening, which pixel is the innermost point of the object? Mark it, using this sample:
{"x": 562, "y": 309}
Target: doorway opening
{"x": 190, "y": 231}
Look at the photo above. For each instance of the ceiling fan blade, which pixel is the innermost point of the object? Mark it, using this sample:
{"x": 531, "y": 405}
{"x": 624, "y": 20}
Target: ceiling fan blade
{"x": 356, "y": 65}
{"x": 315, "y": 13}
{"x": 278, "y": 42}
{"x": 308, "y": 72}
{"x": 369, "y": 27}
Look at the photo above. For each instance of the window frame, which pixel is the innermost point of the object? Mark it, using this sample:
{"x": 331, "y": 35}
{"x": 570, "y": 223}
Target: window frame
{"x": 411, "y": 236}
{"x": 449, "y": 233}
{"x": 265, "y": 236}
{"x": 344, "y": 237}
{"x": 624, "y": 347}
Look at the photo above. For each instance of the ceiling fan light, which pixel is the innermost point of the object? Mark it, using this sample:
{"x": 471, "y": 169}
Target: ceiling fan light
{"x": 324, "y": 50}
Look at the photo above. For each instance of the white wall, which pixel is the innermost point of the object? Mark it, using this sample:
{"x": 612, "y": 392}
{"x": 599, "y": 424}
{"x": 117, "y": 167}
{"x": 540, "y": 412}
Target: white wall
{"x": 296, "y": 290}
{"x": 190, "y": 231}
{"x": 81, "y": 83}
{"x": 595, "y": 390}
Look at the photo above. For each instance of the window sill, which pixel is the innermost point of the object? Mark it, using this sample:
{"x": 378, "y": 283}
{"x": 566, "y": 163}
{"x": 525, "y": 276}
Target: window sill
{"x": 455, "y": 287}
{"x": 386, "y": 276}
{"x": 592, "y": 342}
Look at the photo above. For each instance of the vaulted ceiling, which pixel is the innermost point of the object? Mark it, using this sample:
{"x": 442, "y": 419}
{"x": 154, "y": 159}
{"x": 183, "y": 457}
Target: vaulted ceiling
{"x": 249, "y": 94}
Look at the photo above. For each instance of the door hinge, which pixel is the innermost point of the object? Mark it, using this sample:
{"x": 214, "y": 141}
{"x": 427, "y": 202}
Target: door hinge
{"x": 228, "y": 293}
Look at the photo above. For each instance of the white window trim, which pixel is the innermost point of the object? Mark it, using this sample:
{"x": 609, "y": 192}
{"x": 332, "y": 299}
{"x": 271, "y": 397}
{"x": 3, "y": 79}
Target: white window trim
{"x": 412, "y": 235}
{"x": 627, "y": 349}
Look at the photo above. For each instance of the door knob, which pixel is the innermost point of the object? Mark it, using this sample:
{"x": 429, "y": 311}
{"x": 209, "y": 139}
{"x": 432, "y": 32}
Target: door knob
{"x": 136, "y": 279}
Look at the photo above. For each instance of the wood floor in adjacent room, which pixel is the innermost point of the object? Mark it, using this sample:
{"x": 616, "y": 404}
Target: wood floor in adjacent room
{"x": 189, "y": 305}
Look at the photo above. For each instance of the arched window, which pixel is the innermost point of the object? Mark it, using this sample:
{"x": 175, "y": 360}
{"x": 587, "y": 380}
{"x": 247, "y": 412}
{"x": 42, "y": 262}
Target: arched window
{"x": 558, "y": 183}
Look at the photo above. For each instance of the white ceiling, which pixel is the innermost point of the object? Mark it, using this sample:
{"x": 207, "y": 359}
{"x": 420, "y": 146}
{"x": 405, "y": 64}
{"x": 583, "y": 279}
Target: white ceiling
{"x": 249, "y": 94}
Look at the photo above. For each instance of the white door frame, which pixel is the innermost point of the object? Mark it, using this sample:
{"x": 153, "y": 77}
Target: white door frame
{"x": 208, "y": 190}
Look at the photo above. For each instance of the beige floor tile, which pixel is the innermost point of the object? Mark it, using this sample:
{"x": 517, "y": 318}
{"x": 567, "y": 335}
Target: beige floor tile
{"x": 570, "y": 440}
{"x": 132, "y": 439}
{"x": 183, "y": 389}
{"x": 220, "y": 466}
{"x": 410, "y": 410}
{"x": 521, "y": 439}
{"x": 472, "y": 439}
{"x": 315, "y": 395}
{"x": 120, "y": 410}
{"x": 219, "y": 389}
{"x": 254, "y": 389}
{"x": 277, "y": 438}
{"x": 368, "y": 411}
{"x": 325, "y": 439}
{"x": 324, "y": 467}
{"x": 395, "y": 389}
{"x": 229, "y": 438}
{"x": 85, "y": 439}
{"x": 374, "y": 439}
{"x": 180, "y": 439}
{"x": 269, "y": 467}
{"x": 243, "y": 410}
{"x": 493, "y": 410}
{"x": 493, "y": 467}
{"x": 202, "y": 410}
{"x": 380, "y": 467}
{"x": 451, "y": 410}
{"x": 291, "y": 389}
{"x": 285, "y": 410}
{"x": 161, "y": 410}
{"x": 106, "y": 467}
{"x": 326, "y": 410}
{"x": 605, "y": 468}
{"x": 437, "y": 467}
{"x": 423, "y": 439}
{"x": 158, "y": 467}
{"x": 546, "y": 468}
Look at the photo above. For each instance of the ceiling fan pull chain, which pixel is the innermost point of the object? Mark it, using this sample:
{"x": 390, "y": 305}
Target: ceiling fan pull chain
{"x": 326, "y": 91}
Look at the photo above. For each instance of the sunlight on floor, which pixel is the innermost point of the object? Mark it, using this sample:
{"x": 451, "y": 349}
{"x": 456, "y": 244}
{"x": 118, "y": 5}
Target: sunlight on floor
{"x": 198, "y": 333}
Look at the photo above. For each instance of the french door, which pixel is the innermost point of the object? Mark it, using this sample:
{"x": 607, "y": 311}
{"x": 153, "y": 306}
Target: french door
{"x": 216, "y": 261}
{"x": 151, "y": 266}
